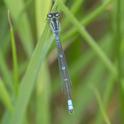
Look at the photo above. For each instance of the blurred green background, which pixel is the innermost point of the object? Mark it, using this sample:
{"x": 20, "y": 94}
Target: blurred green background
{"x": 92, "y": 36}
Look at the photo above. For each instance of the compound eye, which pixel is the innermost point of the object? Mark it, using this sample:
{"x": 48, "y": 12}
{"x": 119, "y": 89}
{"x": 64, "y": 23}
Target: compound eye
{"x": 50, "y": 15}
{"x": 57, "y": 14}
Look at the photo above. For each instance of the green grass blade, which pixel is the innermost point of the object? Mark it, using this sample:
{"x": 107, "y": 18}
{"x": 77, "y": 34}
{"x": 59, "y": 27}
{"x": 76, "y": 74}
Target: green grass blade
{"x": 43, "y": 96}
{"x": 89, "y": 39}
{"x": 74, "y": 9}
{"x": 107, "y": 95}
{"x": 88, "y": 19}
{"x": 5, "y": 97}
{"x": 89, "y": 55}
{"x": 42, "y": 88}
{"x": 118, "y": 31}
{"x": 22, "y": 23}
{"x": 14, "y": 55}
{"x": 101, "y": 106}
{"x": 28, "y": 82}
{"x": 5, "y": 72}
{"x": 76, "y": 5}
{"x": 41, "y": 10}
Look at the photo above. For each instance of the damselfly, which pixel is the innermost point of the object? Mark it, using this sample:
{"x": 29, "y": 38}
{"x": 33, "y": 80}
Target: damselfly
{"x": 55, "y": 26}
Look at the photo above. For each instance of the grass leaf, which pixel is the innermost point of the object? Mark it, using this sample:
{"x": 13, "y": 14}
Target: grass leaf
{"x": 5, "y": 97}
{"x": 22, "y": 23}
{"x": 28, "y": 81}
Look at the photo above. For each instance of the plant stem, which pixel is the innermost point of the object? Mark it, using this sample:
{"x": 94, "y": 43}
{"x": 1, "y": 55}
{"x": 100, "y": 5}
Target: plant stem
{"x": 118, "y": 34}
{"x": 14, "y": 56}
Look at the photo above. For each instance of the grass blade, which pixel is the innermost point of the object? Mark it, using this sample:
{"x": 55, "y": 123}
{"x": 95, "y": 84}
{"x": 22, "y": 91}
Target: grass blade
{"x": 89, "y": 39}
{"x": 22, "y": 23}
{"x": 5, "y": 72}
{"x": 42, "y": 88}
{"x": 5, "y": 97}
{"x": 14, "y": 55}
{"x": 88, "y": 19}
{"x": 28, "y": 82}
{"x": 43, "y": 96}
{"x": 102, "y": 108}
{"x": 41, "y": 10}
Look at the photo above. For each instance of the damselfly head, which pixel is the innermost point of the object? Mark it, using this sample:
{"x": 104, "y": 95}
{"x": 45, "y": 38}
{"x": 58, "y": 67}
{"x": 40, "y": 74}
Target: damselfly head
{"x": 53, "y": 15}
{"x": 53, "y": 18}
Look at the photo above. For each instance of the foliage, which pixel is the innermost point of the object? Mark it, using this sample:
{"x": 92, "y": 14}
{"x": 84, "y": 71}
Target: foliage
{"x": 30, "y": 85}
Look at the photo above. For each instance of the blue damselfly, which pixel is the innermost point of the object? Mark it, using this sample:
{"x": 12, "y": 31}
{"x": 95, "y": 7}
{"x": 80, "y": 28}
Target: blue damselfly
{"x": 55, "y": 26}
